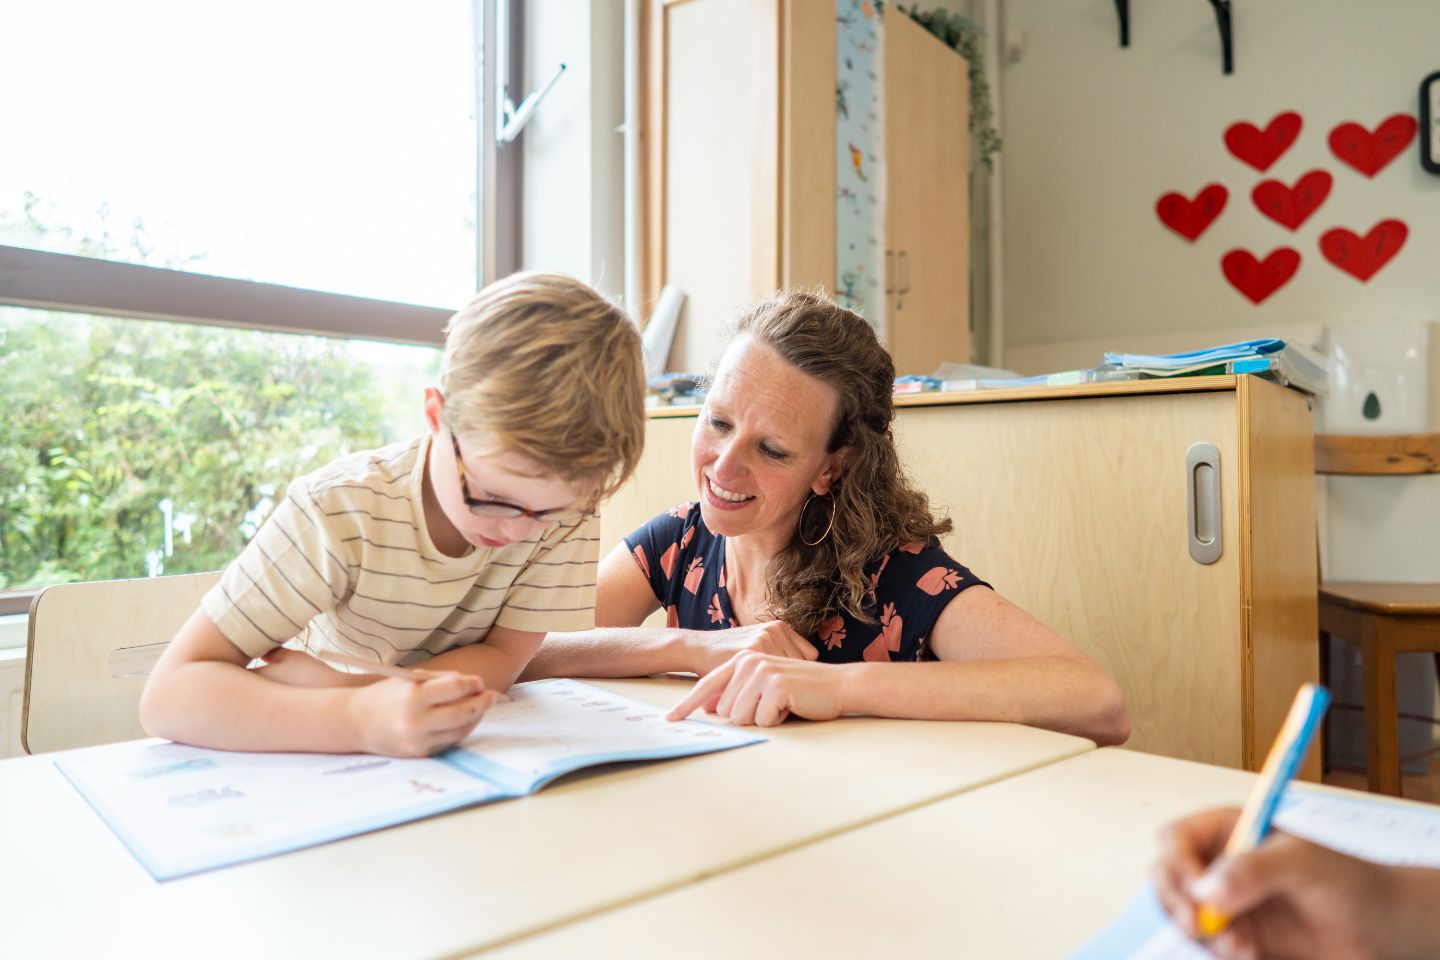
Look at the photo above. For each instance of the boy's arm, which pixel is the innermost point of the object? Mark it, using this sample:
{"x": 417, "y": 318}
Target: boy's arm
{"x": 620, "y": 647}
{"x": 498, "y": 660}
{"x": 200, "y": 692}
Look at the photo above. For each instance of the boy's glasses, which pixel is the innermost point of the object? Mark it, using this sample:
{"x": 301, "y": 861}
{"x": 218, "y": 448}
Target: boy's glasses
{"x": 501, "y": 510}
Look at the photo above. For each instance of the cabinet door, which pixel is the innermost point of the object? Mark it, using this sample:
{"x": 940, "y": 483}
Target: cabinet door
{"x": 1076, "y": 511}
{"x": 927, "y": 198}
{"x": 718, "y": 150}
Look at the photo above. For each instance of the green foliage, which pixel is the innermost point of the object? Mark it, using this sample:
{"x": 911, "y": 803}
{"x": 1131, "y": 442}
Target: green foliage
{"x": 107, "y": 418}
{"x": 963, "y": 35}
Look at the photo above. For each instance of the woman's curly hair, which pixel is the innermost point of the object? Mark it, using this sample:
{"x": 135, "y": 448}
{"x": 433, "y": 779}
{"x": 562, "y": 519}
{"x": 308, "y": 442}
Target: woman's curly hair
{"x": 876, "y": 507}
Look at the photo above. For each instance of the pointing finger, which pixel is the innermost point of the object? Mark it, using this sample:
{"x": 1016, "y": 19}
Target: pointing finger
{"x": 707, "y": 689}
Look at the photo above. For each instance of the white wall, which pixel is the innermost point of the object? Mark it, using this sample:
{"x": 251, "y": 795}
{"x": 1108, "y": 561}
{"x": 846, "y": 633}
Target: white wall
{"x": 573, "y": 196}
{"x": 1095, "y": 134}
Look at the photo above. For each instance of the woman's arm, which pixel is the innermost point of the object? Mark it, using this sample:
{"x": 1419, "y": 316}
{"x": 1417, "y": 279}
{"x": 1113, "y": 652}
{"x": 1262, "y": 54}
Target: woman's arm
{"x": 620, "y": 647}
{"x": 200, "y": 692}
{"x": 997, "y": 663}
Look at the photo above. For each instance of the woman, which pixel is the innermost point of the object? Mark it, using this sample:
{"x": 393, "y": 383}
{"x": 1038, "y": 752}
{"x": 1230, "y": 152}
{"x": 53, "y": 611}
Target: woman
{"x": 809, "y": 578}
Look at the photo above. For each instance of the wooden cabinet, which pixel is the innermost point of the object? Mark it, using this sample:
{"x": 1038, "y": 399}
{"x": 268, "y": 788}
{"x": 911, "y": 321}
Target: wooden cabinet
{"x": 739, "y": 170}
{"x": 1073, "y": 503}
{"x": 927, "y": 201}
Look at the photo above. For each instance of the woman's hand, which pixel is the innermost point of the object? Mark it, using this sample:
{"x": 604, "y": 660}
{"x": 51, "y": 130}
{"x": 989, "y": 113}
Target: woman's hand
{"x": 1286, "y": 898}
{"x": 405, "y": 718}
{"x": 764, "y": 689}
{"x": 709, "y": 649}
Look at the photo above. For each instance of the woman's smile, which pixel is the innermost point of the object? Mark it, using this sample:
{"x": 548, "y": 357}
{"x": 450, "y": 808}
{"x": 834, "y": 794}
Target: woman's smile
{"x": 724, "y": 499}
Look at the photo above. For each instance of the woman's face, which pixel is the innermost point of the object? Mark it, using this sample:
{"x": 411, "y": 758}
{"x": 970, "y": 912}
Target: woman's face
{"x": 759, "y": 447}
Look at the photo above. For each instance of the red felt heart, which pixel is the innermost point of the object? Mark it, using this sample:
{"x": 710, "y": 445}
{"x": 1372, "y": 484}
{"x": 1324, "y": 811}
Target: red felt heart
{"x": 1361, "y": 257}
{"x": 1259, "y": 149}
{"x": 1370, "y": 152}
{"x": 1189, "y": 218}
{"x": 1257, "y": 279}
{"x": 1292, "y": 206}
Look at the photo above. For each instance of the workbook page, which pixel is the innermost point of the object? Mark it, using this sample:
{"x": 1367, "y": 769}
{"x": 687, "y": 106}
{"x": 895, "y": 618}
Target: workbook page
{"x": 181, "y": 809}
{"x": 552, "y": 727}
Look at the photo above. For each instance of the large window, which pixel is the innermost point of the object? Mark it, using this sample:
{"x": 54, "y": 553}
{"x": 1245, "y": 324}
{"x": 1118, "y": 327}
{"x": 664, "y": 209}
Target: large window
{"x": 189, "y": 193}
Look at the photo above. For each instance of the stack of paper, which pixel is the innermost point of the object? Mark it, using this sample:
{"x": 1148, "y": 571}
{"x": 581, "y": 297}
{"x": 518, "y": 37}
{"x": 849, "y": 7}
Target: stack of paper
{"x": 1207, "y": 357}
{"x": 1271, "y": 358}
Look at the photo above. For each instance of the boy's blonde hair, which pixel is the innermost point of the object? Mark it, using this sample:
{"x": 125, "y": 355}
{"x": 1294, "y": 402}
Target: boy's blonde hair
{"x": 541, "y": 365}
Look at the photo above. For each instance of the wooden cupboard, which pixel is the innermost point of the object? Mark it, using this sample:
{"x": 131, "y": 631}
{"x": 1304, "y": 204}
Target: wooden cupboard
{"x": 927, "y": 199}
{"x": 1074, "y": 503}
{"x": 738, "y": 170}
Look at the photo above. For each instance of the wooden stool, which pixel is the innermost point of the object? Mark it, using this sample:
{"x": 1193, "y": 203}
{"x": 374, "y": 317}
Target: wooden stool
{"x": 1382, "y": 619}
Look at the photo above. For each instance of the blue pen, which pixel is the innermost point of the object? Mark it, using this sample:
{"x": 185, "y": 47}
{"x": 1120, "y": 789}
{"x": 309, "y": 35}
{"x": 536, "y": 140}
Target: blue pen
{"x": 1284, "y": 759}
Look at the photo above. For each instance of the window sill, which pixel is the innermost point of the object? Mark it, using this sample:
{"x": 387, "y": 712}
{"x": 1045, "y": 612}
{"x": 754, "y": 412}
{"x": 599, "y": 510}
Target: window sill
{"x": 14, "y": 632}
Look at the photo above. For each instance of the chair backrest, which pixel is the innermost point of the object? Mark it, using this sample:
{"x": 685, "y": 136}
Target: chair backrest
{"x": 1377, "y": 454}
{"x": 91, "y": 645}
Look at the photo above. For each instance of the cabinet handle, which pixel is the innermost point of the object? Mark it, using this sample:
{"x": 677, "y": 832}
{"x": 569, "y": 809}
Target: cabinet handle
{"x": 904, "y": 271}
{"x": 889, "y": 271}
{"x": 1202, "y": 500}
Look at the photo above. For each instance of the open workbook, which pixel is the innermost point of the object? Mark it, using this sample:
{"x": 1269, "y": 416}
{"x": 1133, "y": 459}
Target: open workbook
{"x": 182, "y": 809}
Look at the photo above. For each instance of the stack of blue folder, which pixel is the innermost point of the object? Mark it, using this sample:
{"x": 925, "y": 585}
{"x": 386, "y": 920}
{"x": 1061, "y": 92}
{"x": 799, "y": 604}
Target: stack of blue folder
{"x": 1267, "y": 357}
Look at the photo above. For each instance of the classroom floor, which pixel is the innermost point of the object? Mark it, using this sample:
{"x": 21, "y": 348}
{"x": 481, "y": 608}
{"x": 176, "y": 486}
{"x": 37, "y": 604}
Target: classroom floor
{"x": 1424, "y": 786}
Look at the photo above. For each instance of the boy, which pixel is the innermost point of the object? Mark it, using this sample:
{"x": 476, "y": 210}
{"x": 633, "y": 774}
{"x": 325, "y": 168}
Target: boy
{"x": 459, "y": 549}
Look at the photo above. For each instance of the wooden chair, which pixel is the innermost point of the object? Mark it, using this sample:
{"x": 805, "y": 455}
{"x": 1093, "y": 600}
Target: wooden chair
{"x": 91, "y": 645}
{"x": 1382, "y": 619}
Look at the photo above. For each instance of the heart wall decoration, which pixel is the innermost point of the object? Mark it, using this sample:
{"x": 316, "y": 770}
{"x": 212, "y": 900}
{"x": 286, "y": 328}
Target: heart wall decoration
{"x": 1370, "y": 152}
{"x": 1258, "y": 279}
{"x": 1190, "y": 218}
{"x": 1362, "y": 257}
{"x": 1292, "y": 206}
{"x": 1261, "y": 148}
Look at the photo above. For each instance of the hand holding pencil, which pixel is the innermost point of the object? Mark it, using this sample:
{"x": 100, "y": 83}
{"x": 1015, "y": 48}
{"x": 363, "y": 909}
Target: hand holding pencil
{"x": 416, "y": 712}
{"x": 1292, "y": 898}
{"x": 1283, "y": 897}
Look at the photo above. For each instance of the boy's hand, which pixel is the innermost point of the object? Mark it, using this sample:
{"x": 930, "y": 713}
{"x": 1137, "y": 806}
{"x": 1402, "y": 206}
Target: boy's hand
{"x": 403, "y": 718}
{"x": 712, "y": 648}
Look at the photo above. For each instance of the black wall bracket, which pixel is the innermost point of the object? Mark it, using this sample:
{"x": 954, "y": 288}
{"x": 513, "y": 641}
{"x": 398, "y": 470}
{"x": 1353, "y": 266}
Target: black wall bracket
{"x": 1222, "y": 21}
{"x": 1122, "y": 9}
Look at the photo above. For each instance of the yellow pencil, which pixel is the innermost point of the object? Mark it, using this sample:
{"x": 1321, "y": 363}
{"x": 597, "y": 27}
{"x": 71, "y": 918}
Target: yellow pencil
{"x": 1284, "y": 759}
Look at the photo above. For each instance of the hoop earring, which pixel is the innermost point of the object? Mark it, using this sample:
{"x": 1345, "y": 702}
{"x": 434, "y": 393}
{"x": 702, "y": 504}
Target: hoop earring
{"x": 800, "y": 527}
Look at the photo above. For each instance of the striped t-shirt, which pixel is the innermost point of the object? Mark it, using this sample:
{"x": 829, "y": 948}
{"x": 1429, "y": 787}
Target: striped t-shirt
{"x": 345, "y": 563}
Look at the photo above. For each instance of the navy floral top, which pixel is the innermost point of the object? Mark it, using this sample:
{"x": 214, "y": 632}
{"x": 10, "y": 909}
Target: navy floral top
{"x": 685, "y": 564}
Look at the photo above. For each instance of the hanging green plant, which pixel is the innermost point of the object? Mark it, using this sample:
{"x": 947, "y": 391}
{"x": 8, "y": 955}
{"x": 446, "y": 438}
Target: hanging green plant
{"x": 962, "y": 35}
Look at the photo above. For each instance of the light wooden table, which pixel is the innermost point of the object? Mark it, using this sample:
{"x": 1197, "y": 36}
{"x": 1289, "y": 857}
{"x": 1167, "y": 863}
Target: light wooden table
{"x": 491, "y": 874}
{"x": 1030, "y": 867}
